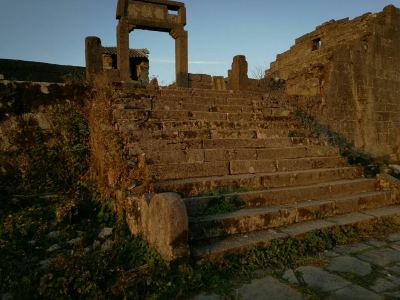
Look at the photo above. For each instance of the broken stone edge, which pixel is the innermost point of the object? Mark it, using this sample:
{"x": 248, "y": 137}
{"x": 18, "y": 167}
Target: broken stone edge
{"x": 245, "y": 242}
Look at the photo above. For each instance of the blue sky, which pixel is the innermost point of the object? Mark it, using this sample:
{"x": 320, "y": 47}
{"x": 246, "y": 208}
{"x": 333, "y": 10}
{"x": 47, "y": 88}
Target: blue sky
{"x": 54, "y": 30}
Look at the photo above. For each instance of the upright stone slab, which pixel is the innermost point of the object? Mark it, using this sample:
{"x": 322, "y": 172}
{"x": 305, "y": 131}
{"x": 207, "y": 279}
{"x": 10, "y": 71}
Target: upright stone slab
{"x": 238, "y": 74}
{"x": 94, "y": 65}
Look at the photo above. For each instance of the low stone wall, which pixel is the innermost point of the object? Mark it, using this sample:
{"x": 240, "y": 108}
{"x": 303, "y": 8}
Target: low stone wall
{"x": 39, "y": 72}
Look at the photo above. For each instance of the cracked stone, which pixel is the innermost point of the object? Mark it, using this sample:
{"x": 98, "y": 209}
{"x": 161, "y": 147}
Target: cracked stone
{"x": 53, "y": 234}
{"x": 376, "y": 243}
{"x": 394, "y": 269}
{"x": 382, "y": 285}
{"x": 381, "y": 257}
{"x": 290, "y": 277}
{"x": 355, "y": 292}
{"x": 105, "y": 232}
{"x": 393, "y": 237}
{"x": 204, "y": 296}
{"x": 395, "y": 247}
{"x": 348, "y": 264}
{"x": 350, "y": 249}
{"x": 394, "y": 295}
{"x": 268, "y": 288}
{"x": 53, "y": 248}
{"x": 322, "y": 280}
{"x": 328, "y": 253}
{"x": 44, "y": 264}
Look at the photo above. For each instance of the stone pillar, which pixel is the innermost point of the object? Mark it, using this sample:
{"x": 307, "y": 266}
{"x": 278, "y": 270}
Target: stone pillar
{"x": 94, "y": 64}
{"x": 181, "y": 57}
{"x": 238, "y": 79}
{"x": 123, "y": 50}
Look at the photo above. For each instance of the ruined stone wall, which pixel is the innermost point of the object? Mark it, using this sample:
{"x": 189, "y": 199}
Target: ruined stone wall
{"x": 351, "y": 70}
{"x": 43, "y": 136}
{"x": 200, "y": 81}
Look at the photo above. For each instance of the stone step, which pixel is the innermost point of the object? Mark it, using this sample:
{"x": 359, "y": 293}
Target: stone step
{"x": 144, "y": 114}
{"x": 211, "y": 155}
{"x": 137, "y": 135}
{"x": 175, "y": 145}
{"x": 222, "y": 168}
{"x": 285, "y": 165}
{"x": 208, "y": 93}
{"x": 249, "y": 220}
{"x": 195, "y": 186}
{"x": 218, "y": 247}
{"x": 279, "y": 196}
{"x": 187, "y": 125}
{"x": 152, "y": 102}
{"x": 212, "y": 105}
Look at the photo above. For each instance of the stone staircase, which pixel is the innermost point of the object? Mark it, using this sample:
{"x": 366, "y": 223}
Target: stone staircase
{"x": 247, "y": 170}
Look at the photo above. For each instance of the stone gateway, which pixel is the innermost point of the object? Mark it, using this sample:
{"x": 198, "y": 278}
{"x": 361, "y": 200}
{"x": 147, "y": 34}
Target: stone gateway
{"x": 155, "y": 15}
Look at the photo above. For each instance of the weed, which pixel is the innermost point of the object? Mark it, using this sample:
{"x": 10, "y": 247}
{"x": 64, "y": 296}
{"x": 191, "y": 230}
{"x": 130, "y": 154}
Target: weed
{"x": 221, "y": 191}
{"x": 372, "y": 166}
{"x": 294, "y": 133}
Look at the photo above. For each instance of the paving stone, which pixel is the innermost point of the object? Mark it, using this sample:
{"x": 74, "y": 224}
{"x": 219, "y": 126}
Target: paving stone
{"x": 54, "y": 248}
{"x": 354, "y": 292}
{"x": 53, "y": 234}
{"x": 381, "y": 257}
{"x": 46, "y": 263}
{"x": 268, "y": 288}
{"x": 348, "y": 264}
{"x": 382, "y": 285}
{"x": 352, "y": 248}
{"x": 395, "y": 280}
{"x": 394, "y": 295}
{"x": 321, "y": 280}
{"x": 105, "y": 232}
{"x": 290, "y": 277}
{"x": 329, "y": 253}
{"x": 395, "y": 237}
{"x": 394, "y": 269}
{"x": 395, "y": 247}
{"x": 205, "y": 296}
{"x": 376, "y": 243}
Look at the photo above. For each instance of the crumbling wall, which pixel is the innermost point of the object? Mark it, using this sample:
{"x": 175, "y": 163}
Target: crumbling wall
{"x": 43, "y": 137}
{"x": 350, "y": 69}
{"x": 41, "y": 72}
{"x": 201, "y": 81}
{"x": 119, "y": 169}
{"x": 238, "y": 79}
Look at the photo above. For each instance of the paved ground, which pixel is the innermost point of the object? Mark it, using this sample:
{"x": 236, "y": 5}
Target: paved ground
{"x": 366, "y": 271}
